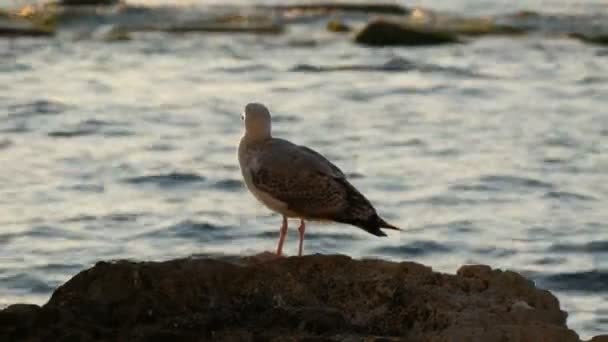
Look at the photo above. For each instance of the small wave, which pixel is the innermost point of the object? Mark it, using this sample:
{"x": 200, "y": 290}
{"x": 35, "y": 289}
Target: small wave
{"x": 27, "y": 281}
{"x": 248, "y": 68}
{"x": 584, "y": 281}
{"x": 495, "y": 252}
{"x": 449, "y": 200}
{"x": 554, "y": 161}
{"x": 72, "y": 133}
{"x": 565, "y": 195}
{"x": 118, "y": 217}
{"x": 413, "y": 249}
{"x": 189, "y": 230}
{"x": 38, "y": 107}
{"x": 506, "y": 182}
{"x": 471, "y": 187}
{"x": 59, "y": 268}
{"x": 90, "y": 127}
{"x": 397, "y": 64}
{"x": 167, "y": 180}
{"x": 50, "y": 232}
{"x": 229, "y": 184}
{"x": 549, "y": 261}
{"x": 17, "y": 127}
{"x": 5, "y": 143}
{"x": 561, "y": 141}
{"x": 411, "y": 142}
{"x": 589, "y": 247}
{"x": 89, "y": 188}
{"x": 592, "y": 80}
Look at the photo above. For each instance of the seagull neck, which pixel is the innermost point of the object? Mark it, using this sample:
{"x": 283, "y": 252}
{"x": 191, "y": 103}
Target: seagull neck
{"x": 256, "y": 138}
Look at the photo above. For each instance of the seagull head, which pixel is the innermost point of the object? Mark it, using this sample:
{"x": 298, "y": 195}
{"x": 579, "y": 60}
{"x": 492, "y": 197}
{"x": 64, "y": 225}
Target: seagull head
{"x": 257, "y": 121}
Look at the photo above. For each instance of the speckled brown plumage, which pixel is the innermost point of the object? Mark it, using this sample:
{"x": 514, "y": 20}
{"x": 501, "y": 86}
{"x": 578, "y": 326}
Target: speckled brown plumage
{"x": 297, "y": 182}
{"x": 311, "y": 185}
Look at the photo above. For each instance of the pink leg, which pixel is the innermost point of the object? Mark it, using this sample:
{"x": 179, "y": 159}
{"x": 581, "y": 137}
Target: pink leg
{"x": 282, "y": 234}
{"x": 301, "y": 230}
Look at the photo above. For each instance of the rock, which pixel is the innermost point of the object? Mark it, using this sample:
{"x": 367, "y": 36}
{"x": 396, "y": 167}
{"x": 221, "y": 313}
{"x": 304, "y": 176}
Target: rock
{"x": 331, "y": 7}
{"x": 312, "y": 298}
{"x": 89, "y": 2}
{"x": 383, "y": 32}
{"x": 271, "y": 28}
{"x": 590, "y": 28}
{"x": 337, "y": 26}
{"x": 12, "y": 25}
{"x": 600, "y": 39}
{"x": 429, "y": 20}
{"x": 20, "y": 29}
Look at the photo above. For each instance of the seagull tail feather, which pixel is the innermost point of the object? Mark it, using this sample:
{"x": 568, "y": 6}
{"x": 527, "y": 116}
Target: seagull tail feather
{"x": 386, "y": 225}
{"x": 371, "y": 225}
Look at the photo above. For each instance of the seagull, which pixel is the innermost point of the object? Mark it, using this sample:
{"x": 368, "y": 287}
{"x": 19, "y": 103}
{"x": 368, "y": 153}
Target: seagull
{"x": 298, "y": 182}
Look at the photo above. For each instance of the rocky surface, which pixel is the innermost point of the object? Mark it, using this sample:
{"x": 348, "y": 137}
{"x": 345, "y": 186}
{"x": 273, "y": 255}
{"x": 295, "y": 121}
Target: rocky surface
{"x": 89, "y": 2}
{"x": 20, "y": 28}
{"x": 332, "y": 7}
{"x": 312, "y": 298}
{"x": 382, "y": 32}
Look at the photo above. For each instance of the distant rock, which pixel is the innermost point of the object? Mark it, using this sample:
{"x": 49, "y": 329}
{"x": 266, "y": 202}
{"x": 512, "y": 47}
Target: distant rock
{"x": 320, "y": 298}
{"x": 89, "y": 2}
{"x": 16, "y": 27}
{"x": 600, "y": 39}
{"x": 335, "y": 25}
{"x": 383, "y": 32}
{"x": 331, "y": 7}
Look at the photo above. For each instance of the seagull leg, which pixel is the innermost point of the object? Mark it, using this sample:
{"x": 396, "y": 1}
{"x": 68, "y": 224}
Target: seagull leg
{"x": 282, "y": 234}
{"x": 301, "y": 230}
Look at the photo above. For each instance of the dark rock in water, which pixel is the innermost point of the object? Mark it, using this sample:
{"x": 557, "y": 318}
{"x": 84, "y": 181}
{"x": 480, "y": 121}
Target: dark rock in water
{"x": 383, "y": 32}
{"x": 593, "y": 39}
{"x": 330, "y": 298}
{"x": 227, "y": 28}
{"x": 343, "y": 7}
{"x": 21, "y": 28}
{"x": 590, "y": 28}
{"x": 89, "y": 2}
{"x": 337, "y": 26}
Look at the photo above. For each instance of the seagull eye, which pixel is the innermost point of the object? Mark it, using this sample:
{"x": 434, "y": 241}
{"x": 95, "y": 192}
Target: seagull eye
{"x": 242, "y": 117}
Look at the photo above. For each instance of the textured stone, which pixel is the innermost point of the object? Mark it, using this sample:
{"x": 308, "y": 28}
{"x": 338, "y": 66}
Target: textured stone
{"x": 311, "y": 298}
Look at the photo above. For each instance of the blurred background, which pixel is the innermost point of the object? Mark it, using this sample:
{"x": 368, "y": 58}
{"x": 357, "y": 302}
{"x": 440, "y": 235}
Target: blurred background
{"x": 480, "y": 126}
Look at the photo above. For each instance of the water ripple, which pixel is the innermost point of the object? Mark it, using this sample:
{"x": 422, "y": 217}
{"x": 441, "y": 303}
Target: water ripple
{"x": 229, "y": 184}
{"x": 565, "y": 195}
{"x": 28, "y": 281}
{"x": 589, "y": 247}
{"x": 414, "y": 249}
{"x": 5, "y": 143}
{"x": 392, "y": 65}
{"x": 189, "y": 230}
{"x": 90, "y": 127}
{"x": 583, "y": 281}
{"x": 37, "y": 107}
{"x": 508, "y": 182}
{"x": 172, "y": 179}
